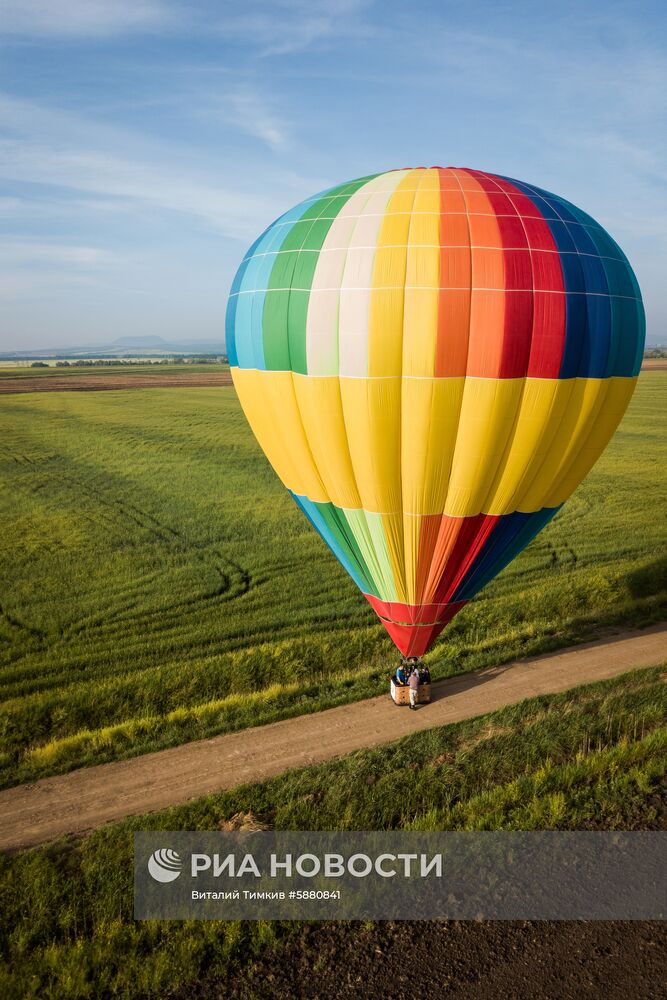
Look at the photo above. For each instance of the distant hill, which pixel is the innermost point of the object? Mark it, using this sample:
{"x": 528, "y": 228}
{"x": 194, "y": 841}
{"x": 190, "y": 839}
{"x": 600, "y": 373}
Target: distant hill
{"x": 148, "y": 346}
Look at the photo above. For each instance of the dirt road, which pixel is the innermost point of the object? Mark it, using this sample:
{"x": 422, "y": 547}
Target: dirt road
{"x": 92, "y": 383}
{"x": 88, "y": 798}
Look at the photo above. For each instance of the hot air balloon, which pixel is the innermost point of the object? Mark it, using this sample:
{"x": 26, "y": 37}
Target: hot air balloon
{"x": 432, "y": 359}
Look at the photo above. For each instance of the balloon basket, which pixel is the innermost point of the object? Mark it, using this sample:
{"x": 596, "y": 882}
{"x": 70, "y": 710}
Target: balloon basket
{"x": 400, "y": 693}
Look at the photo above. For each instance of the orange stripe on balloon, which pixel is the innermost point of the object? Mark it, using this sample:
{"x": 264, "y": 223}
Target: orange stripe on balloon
{"x": 487, "y": 298}
{"x": 455, "y": 280}
{"x": 438, "y": 537}
{"x": 518, "y": 277}
{"x": 448, "y": 548}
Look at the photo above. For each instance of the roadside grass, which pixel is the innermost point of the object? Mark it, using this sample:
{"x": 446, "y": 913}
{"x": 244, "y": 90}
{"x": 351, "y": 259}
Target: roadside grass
{"x": 593, "y": 757}
{"x": 158, "y": 584}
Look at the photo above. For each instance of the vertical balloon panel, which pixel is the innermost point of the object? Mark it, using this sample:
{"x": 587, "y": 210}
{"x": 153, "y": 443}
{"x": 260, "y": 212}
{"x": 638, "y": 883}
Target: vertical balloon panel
{"x": 432, "y": 360}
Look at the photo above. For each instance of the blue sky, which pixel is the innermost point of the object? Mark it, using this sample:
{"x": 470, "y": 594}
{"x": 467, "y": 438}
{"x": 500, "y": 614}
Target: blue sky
{"x": 145, "y": 143}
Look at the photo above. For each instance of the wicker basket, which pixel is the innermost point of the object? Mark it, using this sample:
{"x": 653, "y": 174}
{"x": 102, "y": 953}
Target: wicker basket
{"x": 400, "y": 693}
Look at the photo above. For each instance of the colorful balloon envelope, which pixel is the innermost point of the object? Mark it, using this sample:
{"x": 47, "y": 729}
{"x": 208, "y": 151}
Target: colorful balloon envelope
{"x": 432, "y": 360}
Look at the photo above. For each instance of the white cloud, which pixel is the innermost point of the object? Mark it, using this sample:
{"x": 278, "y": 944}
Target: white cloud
{"x": 248, "y": 112}
{"x": 55, "y": 149}
{"x": 10, "y": 207}
{"x": 281, "y": 27}
{"x": 20, "y": 252}
{"x": 40, "y": 284}
{"x": 34, "y": 270}
{"x": 275, "y": 27}
{"x": 81, "y": 18}
{"x": 631, "y": 153}
{"x": 151, "y": 184}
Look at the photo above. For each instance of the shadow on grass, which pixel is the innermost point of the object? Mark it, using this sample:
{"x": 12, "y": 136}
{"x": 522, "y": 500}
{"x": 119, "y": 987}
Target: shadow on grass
{"x": 649, "y": 579}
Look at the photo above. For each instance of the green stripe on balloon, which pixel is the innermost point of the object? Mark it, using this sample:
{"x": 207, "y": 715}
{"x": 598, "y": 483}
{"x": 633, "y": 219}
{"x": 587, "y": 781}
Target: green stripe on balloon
{"x": 286, "y": 301}
{"x": 371, "y": 537}
{"x": 361, "y": 536}
{"x": 342, "y": 534}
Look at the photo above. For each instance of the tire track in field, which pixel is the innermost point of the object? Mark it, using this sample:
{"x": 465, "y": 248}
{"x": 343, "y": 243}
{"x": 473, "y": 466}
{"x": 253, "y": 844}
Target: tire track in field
{"x": 233, "y": 580}
{"x": 230, "y": 579}
{"x": 22, "y": 627}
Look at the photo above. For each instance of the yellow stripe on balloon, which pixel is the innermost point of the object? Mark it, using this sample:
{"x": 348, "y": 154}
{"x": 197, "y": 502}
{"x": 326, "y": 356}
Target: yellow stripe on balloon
{"x": 467, "y": 445}
{"x": 422, "y": 280}
{"x": 372, "y": 409}
{"x": 488, "y": 413}
{"x": 541, "y": 411}
{"x": 321, "y": 412}
{"x": 392, "y": 525}
{"x": 269, "y": 402}
{"x": 429, "y": 426}
{"x": 593, "y": 436}
{"x": 387, "y": 295}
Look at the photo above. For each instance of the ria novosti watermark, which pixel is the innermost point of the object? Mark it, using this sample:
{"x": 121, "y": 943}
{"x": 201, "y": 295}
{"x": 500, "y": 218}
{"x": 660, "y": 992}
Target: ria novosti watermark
{"x": 401, "y": 875}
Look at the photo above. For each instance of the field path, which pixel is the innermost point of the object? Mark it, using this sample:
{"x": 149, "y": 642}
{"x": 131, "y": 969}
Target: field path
{"x": 94, "y": 383}
{"x": 84, "y": 799}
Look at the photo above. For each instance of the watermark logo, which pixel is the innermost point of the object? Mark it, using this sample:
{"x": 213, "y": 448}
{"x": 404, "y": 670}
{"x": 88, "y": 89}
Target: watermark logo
{"x": 400, "y": 875}
{"x": 165, "y": 865}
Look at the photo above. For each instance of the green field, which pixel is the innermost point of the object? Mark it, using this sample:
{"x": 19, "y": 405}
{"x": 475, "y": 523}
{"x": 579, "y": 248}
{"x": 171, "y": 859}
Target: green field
{"x": 594, "y": 758}
{"x": 117, "y": 369}
{"x": 159, "y": 585}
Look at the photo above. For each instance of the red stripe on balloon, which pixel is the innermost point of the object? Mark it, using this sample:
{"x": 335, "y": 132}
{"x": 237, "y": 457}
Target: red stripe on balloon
{"x": 518, "y": 326}
{"x": 414, "y": 614}
{"x": 548, "y": 323}
{"x": 414, "y": 628}
{"x": 459, "y": 542}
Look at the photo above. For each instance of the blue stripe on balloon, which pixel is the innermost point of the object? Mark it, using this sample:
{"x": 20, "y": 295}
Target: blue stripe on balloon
{"x": 232, "y": 302}
{"x": 230, "y": 339}
{"x": 596, "y": 353}
{"x": 251, "y": 291}
{"x": 627, "y": 321}
{"x": 510, "y": 535}
{"x": 592, "y": 322}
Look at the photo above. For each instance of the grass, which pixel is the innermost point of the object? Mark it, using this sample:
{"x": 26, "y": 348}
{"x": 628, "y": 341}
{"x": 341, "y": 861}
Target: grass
{"x": 591, "y": 758}
{"x": 134, "y": 368}
{"x": 158, "y": 584}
